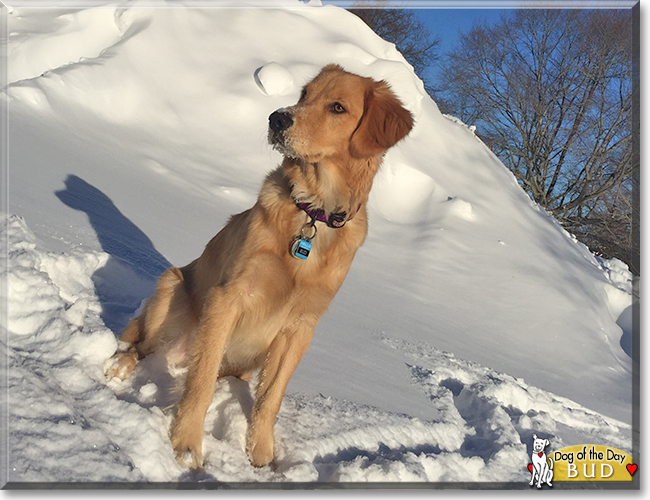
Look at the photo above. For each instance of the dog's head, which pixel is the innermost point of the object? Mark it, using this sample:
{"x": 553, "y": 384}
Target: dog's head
{"x": 539, "y": 444}
{"x": 340, "y": 114}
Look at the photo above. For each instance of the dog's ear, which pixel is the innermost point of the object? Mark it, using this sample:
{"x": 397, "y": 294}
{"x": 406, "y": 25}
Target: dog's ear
{"x": 546, "y": 442}
{"x": 534, "y": 436}
{"x": 384, "y": 122}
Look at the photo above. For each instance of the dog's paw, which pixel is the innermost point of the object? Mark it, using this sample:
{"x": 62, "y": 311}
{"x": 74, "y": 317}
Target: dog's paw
{"x": 259, "y": 449}
{"x": 187, "y": 444}
{"x": 259, "y": 457}
{"x": 190, "y": 459}
{"x": 120, "y": 366}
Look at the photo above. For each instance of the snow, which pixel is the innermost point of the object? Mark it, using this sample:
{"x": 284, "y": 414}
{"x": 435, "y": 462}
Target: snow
{"x": 470, "y": 319}
{"x": 274, "y": 79}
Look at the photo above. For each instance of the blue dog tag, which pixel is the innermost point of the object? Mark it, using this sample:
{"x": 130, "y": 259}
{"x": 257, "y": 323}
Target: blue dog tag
{"x": 301, "y": 248}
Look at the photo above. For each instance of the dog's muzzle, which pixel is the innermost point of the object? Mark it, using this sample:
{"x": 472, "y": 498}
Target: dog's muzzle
{"x": 279, "y": 121}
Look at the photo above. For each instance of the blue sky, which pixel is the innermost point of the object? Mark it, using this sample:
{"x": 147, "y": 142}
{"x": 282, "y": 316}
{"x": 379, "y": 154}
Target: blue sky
{"x": 449, "y": 23}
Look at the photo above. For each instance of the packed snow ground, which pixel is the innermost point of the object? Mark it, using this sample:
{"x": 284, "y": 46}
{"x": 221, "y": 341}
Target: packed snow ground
{"x": 469, "y": 321}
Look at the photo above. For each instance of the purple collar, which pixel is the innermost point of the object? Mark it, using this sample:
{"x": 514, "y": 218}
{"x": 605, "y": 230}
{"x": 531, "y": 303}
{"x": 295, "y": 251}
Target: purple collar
{"x": 335, "y": 220}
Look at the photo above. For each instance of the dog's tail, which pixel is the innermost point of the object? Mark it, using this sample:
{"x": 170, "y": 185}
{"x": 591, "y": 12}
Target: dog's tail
{"x": 550, "y": 463}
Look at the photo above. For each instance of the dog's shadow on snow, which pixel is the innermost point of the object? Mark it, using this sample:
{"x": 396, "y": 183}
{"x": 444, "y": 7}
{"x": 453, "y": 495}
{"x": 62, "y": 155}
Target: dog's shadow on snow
{"x": 128, "y": 277}
{"x": 134, "y": 264}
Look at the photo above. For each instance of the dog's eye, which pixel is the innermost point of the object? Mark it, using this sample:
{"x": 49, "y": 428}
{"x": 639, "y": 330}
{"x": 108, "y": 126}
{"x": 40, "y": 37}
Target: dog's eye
{"x": 337, "y": 108}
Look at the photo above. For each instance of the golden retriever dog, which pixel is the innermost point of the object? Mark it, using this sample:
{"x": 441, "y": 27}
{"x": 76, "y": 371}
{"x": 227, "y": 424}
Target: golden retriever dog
{"x": 252, "y": 299}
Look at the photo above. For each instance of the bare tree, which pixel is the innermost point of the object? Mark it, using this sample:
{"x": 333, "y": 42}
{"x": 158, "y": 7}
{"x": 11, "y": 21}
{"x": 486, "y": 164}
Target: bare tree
{"x": 551, "y": 93}
{"x": 401, "y": 27}
{"x": 608, "y": 231}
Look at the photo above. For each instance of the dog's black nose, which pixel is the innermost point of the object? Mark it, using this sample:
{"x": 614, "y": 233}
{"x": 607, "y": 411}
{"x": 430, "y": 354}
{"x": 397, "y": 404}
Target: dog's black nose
{"x": 280, "y": 120}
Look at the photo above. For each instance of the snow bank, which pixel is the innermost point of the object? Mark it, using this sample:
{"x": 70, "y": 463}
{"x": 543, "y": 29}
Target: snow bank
{"x": 68, "y": 425}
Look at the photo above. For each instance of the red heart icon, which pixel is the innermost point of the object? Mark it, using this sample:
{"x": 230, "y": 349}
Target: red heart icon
{"x": 530, "y": 467}
{"x": 540, "y": 453}
{"x": 631, "y": 468}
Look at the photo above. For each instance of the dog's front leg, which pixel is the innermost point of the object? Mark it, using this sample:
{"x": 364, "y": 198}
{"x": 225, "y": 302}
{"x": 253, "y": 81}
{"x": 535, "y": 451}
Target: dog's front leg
{"x": 549, "y": 477}
{"x": 542, "y": 473}
{"x": 219, "y": 318}
{"x": 285, "y": 352}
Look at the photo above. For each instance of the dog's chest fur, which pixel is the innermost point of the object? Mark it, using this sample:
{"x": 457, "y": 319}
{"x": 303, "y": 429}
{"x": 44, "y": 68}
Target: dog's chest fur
{"x": 295, "y": 285}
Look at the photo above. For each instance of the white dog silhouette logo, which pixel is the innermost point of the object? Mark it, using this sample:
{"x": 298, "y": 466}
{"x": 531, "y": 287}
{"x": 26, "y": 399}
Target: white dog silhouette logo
{"x": 541, "y": 468}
